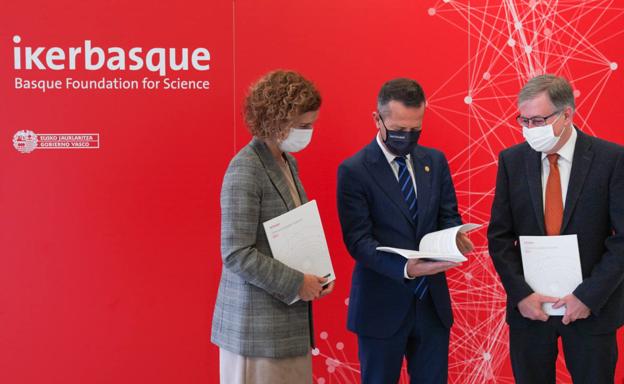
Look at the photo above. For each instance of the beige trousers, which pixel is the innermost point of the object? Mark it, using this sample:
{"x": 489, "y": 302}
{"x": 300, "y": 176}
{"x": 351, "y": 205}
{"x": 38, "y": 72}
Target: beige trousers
{"x": 237, "y": 369}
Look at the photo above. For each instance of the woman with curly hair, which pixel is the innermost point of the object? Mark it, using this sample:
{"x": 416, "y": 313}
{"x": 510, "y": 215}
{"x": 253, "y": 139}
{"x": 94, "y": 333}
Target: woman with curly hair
{"x": 264, "y": 337}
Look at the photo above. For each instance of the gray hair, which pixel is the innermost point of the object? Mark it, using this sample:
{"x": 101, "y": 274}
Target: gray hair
{"x": 558, "y": 89}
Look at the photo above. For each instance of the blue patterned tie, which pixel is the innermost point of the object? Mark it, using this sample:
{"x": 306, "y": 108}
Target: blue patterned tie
{"x": 409, "y": 194}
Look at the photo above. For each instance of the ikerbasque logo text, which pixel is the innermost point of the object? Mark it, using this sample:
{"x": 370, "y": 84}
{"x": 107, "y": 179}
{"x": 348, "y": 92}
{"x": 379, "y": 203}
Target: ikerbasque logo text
{"x": 26, "y": 141}
{"x": 160, "y": 63}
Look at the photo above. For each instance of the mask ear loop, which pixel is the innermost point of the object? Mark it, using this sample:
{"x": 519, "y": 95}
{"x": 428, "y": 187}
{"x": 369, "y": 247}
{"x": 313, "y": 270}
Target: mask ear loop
{"x": 383, "y": 123}
{"x": 280, "y": 141}
{"x": 564, "y": 127}
{"x": 381, "y": 119}
{"x": 571, "y": 126}
{"x": 553, "y": 129}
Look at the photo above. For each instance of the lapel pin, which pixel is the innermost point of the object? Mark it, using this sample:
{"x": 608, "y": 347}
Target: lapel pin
{"x": 427, "y": 169}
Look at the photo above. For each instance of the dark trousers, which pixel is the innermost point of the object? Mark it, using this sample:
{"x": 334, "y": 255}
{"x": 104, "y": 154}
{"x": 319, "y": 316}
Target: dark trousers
{"x": 533, "y": 350}
{"x": 422, "y": 339}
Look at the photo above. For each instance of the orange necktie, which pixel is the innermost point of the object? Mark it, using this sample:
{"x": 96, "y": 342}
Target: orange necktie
{"x": 553, "y": 214}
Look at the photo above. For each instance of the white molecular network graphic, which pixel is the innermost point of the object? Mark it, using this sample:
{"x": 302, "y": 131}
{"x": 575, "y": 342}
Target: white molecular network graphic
{"x": 508, "y": 42}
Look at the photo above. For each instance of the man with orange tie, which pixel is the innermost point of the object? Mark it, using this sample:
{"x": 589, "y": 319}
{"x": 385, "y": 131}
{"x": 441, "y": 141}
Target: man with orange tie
{"x": 561, "y": 181}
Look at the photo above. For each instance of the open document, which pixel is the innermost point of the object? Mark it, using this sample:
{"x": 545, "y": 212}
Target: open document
{"x": 438, "y": 245}
{"x": 297, "y": 239}
{"x": 552, "y": 266}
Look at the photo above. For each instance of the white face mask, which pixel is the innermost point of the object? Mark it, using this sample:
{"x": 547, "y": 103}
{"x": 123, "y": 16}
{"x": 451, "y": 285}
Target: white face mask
{"x": 541, "y": 139}
{"x": 297, "y": 140}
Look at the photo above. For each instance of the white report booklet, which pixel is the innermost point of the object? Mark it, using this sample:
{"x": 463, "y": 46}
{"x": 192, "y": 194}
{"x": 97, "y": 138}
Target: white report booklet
{"x": 297, "y": 239}
{"x": 552, "y": 266}
{"x": 438, "y": 246}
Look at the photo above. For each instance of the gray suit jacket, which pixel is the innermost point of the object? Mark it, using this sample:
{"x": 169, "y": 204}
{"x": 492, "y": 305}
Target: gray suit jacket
{"x": 252, "y": 316}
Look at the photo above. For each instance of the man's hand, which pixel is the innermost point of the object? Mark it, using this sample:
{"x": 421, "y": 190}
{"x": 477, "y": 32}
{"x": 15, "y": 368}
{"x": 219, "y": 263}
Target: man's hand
{"x": 464, "y": 244}
{"x": 417, "y": 267}
{"x": 531, "y": 306}
{"x": 311, "y": 287}
{"x": 327, "y": 289}
{"x": 575, "y": 309}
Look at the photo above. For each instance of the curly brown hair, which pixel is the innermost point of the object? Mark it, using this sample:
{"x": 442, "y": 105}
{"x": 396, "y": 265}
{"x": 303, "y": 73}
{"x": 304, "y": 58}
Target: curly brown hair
{"x": 276, "y": 100}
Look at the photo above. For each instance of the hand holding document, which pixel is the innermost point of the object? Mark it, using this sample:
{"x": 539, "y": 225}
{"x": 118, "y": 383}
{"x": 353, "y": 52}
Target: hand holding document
{"x": 437, "y": 246}
{"x": 552, "y": 266}
{"x": 297, "y": 239}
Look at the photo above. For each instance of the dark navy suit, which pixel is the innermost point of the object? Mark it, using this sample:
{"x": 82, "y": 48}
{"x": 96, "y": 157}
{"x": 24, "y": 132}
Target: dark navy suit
{"x": 384, "y": 312}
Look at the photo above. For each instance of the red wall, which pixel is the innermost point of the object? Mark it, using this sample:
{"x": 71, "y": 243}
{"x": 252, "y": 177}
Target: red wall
{"x": 110, "y": 260}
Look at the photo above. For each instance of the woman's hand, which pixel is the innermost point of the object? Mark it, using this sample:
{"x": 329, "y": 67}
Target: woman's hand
{"x": 311, "y": 287}
{"x": 328, "y": 289}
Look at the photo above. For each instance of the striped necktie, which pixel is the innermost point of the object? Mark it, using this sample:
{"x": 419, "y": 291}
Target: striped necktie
{"x": 409, "y": 194}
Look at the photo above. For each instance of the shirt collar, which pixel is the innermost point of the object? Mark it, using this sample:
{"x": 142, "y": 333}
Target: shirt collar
{"x": 567, "y": 151}
{"x": 389, "y": 155}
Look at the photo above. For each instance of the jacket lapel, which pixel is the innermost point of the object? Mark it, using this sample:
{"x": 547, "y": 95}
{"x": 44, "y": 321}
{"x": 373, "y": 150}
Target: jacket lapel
{"x": 421, "y": 163}
{"x": 382, "y": 174}
{"x": 275, "y": 174}
{"x": 581, "y": 163}
{"x": 533, "y": 161}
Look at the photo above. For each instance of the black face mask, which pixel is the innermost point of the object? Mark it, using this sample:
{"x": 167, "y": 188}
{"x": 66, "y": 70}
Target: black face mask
{"x": 400, "y": 143}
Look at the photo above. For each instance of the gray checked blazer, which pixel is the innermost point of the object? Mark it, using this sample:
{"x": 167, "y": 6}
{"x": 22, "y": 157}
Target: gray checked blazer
{"x": 252, "y": 316}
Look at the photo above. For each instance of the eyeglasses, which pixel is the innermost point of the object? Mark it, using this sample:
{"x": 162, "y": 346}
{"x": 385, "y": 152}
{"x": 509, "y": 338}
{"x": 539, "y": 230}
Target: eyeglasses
{"x": 537, "y": 121}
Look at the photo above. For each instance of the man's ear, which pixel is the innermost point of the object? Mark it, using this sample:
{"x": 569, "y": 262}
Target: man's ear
{"x": 568, "y": 112}
{"x": 376, "y": 119}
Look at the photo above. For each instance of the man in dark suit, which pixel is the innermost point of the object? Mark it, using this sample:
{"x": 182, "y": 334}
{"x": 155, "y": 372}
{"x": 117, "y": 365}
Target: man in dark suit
{"x": 392, "y": 193}
{"x": 560, "y": 182}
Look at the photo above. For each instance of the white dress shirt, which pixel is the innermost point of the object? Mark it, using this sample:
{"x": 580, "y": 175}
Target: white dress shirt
{"x": 566, "y": 154}
{"x": 395, "y": 169}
